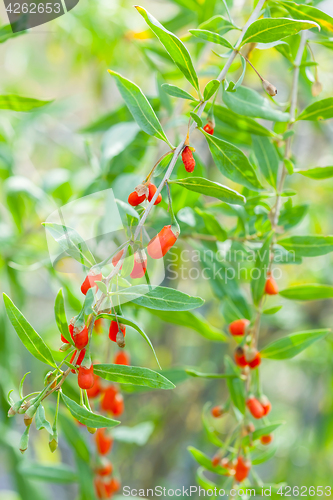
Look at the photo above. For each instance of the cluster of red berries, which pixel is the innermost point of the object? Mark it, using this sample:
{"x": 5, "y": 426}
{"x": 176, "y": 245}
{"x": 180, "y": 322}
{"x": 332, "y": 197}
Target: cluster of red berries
{"x": 144, "y": 192}
{"x": 105, "y": 484}
{"x": 258, "y": 407}
{"x": 239, "y": 468}
{"x": 244, "y": 356}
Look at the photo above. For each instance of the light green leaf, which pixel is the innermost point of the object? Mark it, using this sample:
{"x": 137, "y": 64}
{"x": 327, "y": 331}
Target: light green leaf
{"x": 269, "y": 30}
{"x": 20, "y": 103}
{"x": 238, "y": 122}
{"x": 6, "y": 32}
{"x": 210, "y": 89}
{"x": 29, "y": 337}
{"x": 175, "y": 91}
{"x": 267, "y": 157}
{"x": 210, "y": 188}
{"x": 308, "y": 292}
{"x": 41, "y": 422}
{"x": 317, "y": 173}
{"x": 212, "y": 225}
{"x": 260, "y": 270}
{"x": 291, "y": 216}
{"x": 139, "y": 107}
{"x": 308, "y": 246}
{"x": 176, "y": 49}
{"x": 161, "y": 298}
{"x": 21, "y": 384}
{"x": 209, "y": 36}
{"x": 50, "y": 473}
{"x": 203, "y": 481}
{"x": 288, "y": 347}
{"x": 206, "y": 462}
{"x": 235, "y": 385}
{"x": 232, "y": 162}
{"x": 87, "y": 417}
{"x": 196, "y": 118}
{"x": 320, "y": 110}
{"x": 134, "y": 375}
{"x": 310, "y": 13}
{"x": 262, "y": 431}
{"x": 272, "y": 310}
{"x": 195, "y": 373}
{"x": 60, "y": 315}
{"x": 260, "y": 457}
{"x": 218, "y": 24}
{"x": 139, "y": 434}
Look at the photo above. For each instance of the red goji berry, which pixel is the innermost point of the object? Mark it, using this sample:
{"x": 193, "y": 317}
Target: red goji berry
{"x": 239, "y": 357}
{"x": 79, "y": 335}
{"x": 162, "y": 242}
{"x": 265, "y": 404}
{"x": 118, "y": 405}
{"x": 140, "y": 265}
{"x": 216, "y": 460}
{"x": 238, "y": 327}
{"x": 242, "y": 469}
{"x": 95, "y": 390}
{"x": 188, "y": 160}
{"x": 89, "y": 281}
{"x": 217, "y": 411}
{"x": 267, "y": 439}
{"x": 108, "y": 398}
{"x": 255, "y": 407}
{"x": 113, "y": 330}
{"x": 79, "y": 359}
{"x": 86, "y": 377}
{"x": 209, "y": 128}
{"x": 103, "y": 441}
{"x": 104, "y": 468}
{"x": 271, "y": 287}
{"x": 152, "y": 190}
{"x": 117, "y": 258}
{"x": 252, "y": 357}
{"x": 122, "y": 358}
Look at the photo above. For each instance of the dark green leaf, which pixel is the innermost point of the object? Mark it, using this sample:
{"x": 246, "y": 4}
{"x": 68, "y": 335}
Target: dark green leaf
{"x": 19, "y": 103}
{"x": 267, "y": 157}
{"x": 308, "y": 292}
{"x": 261, "y": 457}
{"x": 209, "y": 36}
{"x": 212, "y": 225}
{"x": 269, "y": 30}
{"x": 320, "y": 110}
{"x": 210, "y": 188}
{"x": 132, "y": 375}
{"x": 195, "y": 373}
{"x": 206, "y": 462}
{"x": 262, "y": 431}
{"x": 175, "y": 91}
{"x": 161, "y": 298}
{"x": 238, "y": 122}
{"x": 87, "y": 417}
{"x": 218, "y": 24}
{"x": 308, "y": 246}
{"x": 74, "y": 437}
{"x": 293, "y": 344}
{"x": 290, "y": 217}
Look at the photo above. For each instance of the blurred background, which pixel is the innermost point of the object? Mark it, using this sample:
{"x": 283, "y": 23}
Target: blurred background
{"x": 59, "y": 153}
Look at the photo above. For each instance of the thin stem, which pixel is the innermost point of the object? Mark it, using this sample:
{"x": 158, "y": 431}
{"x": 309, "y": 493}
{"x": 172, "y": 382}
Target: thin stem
{"x": 249, "y": 62}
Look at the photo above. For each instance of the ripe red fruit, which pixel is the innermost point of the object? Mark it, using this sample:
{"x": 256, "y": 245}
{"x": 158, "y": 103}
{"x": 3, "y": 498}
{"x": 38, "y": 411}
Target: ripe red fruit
{"x": 238, "y": 327}
{"x": 79, "y": 335}
{"x": 188, "y": 160}
{"x": 100, "y": 488}
{"x": 134, "y": 199}
{"x": 63, "y": 340}
{"x": 117, "y": 258}
{"x": 255, "y": 361}
{"x": 86, "y": 377}
{"x": 79, "y": 359}
{"x": 266, "y": 439}
{"x": 255, "y": 407}
{"x": 216, "y": 460}
{"x": 265, "y": 404}
{"x": 122, "y": 358}
{"x": 89, "y": 282}
{"x": 105, "y": 468}
{"x": 114, "y": 485}
{"x": 103, "y": 441}
{"x": 118, "y": 405}
{"x": 209, "y": 128}
{"x": 271, "y": 287}
{"x": 239, "y": 357}
{"x": 95, "y": 390}
{"x": 140, "y": 265}
{"x": 114, "y": 330}
{"x": 162, "y": 242}
{"x": 217, "y": 411}
{"x": 242, "y": 469}
{"x": 108, "y": 398}
{"x": 152, "y": 190}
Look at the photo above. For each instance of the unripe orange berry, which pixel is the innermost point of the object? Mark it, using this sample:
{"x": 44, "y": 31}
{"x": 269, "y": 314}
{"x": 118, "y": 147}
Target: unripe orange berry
{"x": 86, "y": 377}
{"x": 216, "y": 460}
{"x": 255, "y": 407}
{"x": 266, "y": 439}
{"x": 140, "y": 265}
{"x": 134, "y": 199}
{"x": 152, "y": 190}
{"x": 271, "y": 287}
{"x": 89, "y": 282}
{"x": 103, "y": 441}
{"x": 217, "y": 411}
{"x": 108, "y": 398}
{"x": 239, "y": 357}
{"x": 79, "y": 359}
{"x": 162, "y": 242}
{"x": 114, "y": 485}
{"x": 188, "y": 160}
{"x": 122, "y": 358}
{"x": 242, "y": 469}
{"x": 238, "y": 327}
{"x": 209, "y": 128}
{"x": 113, "y": 330}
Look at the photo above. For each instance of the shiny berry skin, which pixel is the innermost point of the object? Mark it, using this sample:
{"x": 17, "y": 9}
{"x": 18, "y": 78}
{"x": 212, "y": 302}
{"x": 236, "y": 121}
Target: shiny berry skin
{"x": 95, "y": 390}
{"x": 134, "y": 199}
{"x": 271, "y": 287}
{"x": 242, "y": 469}
{"x": 152, "y": 190}
{"x": 266, "y": 439}
{"x": 140, "y": 265}
{"x": 103, "y": 441}
{"x": 265, "y": 404}
{"x": 255, "y": 361}
{"x": 89, "y": 282}
{"x": 117, "y": 258}
{"x": 113, "y": 330}
{"x": 80, "y": 336}
{"x": 162, "y": 242}
{"x": 188, "y": 160}
{"x": 118, "y": 405}
{"x": 255, "y": 407}
{"x": 122, "y": 358}
{"x": 105, "y": 468}
{"x": 239, "y": 357}
{"x": 217, "y": 411}
{"x": 108, "y": 398}
{"x": 79, "y": 359}
{"x": 86, "y": 377}
{"x": 238, "y": 327}
{"x": 63, "y": 340}
{"x": 209, "y": 128}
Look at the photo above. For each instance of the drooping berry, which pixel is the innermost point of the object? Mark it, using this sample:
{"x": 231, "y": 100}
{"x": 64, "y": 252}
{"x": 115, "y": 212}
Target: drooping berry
{"x": 108, "y": 398}
{"x": 118, "y": 405}
{"x": 271, "y": 287}
{"x": 239, "y": 357}
{"x": 253, "y": 358}
{"x": 103, "y": 441}
{"x": 217, "y": 411}
{"x": 86, "y": 377}
{"x": 63, "y": 340}
{"x": 242, "y": 469}
{"x": 122, "y": 358}
{"x": 138, "y": 195}
{"x": 114, "y": 485}
{"x": 238, "y": 327}
{"x": 95, "y": 390}
{"x": 140, "y": 265}
{"x": 114, "y": 330}
{"x": 209, "y": 128}
{"x": 162, "y": 242}
{"x": 79, "y": 334}
{"x": 216, "y": 460}
{"x": 89, "y": 282}
{"x": 188, "y": 160}
{"x": 152, "y": 190}
{"x": 104, "y": 468}
{"x": 265, "y": 404}
{"x": 117, "y": 258}
{"x": 79, "y": 359}
{"x": 255, "y": 407}
{"x": 267, "y": 439}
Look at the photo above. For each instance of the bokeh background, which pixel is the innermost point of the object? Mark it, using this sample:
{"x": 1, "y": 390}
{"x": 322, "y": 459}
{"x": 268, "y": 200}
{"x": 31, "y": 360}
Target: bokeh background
{"x": 57, "y": 154}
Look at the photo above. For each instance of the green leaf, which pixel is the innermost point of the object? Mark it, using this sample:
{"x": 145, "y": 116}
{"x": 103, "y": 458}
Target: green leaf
{"x": 238, "y": 122}
{"x": 261, "y": 457}
{"x": 196, "y": 118}
{"x": 308, "y": 246}
{"x": 261, "y": 266}
{"x": 132, "y": 375}
{"x": 87, "y": 417}
{"x": 175, "y": 48}
{"x": 29, "y": 337}
{"x": 195, "y": 373}
{"x": 40, "y": 420}
{"x": 218, "y": 24}
{"x": 60, "y": 315}
{"x": 267, "y": 157}
{"x": 210, "y": 89}
{"x": 250, "y": 103}
{"x": 212, "y": 225}
{"x": 308, "y": 292}
{"x": 70, "y": 242}
{"x": 288, "y": 347}
{"x": 320, "y": 110}
{"x": 20, "y": 103}
{"x": 51, "y": 473}
{"x": 269, "y": 30}
{"x": 272, "y": 310}
{"x": 210, "y": 188}
{"x": 74, "y": 437}
{"x": 317, "y": 173}
{"x": 139, "y": 107}
{"x": 6, "y": 32}
{"x": 87, "y": 307}
{"x": 139, "y": 434}
{"x": 263, "y": 431}
{"x": 161, "y": 298}
{"x": 232, "y": 162}
{"x": 292, "y": 216}
{"x": 206, "y": 462}
{"x": 235, "y": 385}
{"x": 21, "y": 384}
{"x": 310, "y": 13}
{"x": 175, "y": 91}
{"x": 203, "y": 481}
{"x": 209, "y": 36}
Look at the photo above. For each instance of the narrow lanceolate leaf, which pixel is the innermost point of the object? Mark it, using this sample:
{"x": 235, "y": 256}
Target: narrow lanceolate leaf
{"x": 310, "y": 13}
{"x": 210, "y": 89}
{"x": 87, "y": 417}
{"x": 290, "y": 217}
{"x": 212, "y": 225}
{"x": 209, "y": 36}
{"x": 20, "y": 103}
{"x": 293, "y": 344}
{"x": 206, "y": 462}
{"x": 263, "y": 431}
{"x": 195, "y": 373}
{"x": 320, "y": 110}
{"x": 176, "y": 49}
{"x": 50, "y": 473}
{"x": 139, "y": 107}
{"x": 161, "y": 298}
{"x": 267, "y": 157}
{"x": 308, "y": 246}
{"x": 175, "y": 91}
{"x": 29, "y": 337}
{"x": 235, "y": 385}
{"x": 134, "y": 375}
{"x": 269, "y": 30}
{"x": 317, "y": 173}
{"x": 308, "y": 292}
{"x": 60, "y": 315}
{"x": 260, "y": 270}
{"x": 238, "y": 122}
{"x": 260, "y": 457}
{"x": 210, "y": 188}
{"x": 248, "y": 102}
{"x": 218, "y": 24}
{"x": 232, "y": 162}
